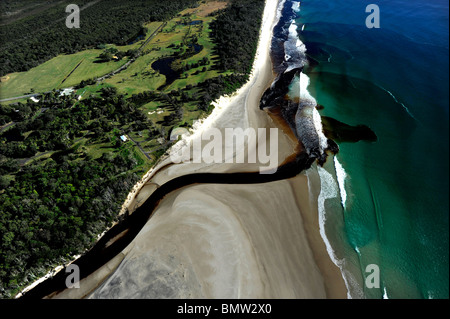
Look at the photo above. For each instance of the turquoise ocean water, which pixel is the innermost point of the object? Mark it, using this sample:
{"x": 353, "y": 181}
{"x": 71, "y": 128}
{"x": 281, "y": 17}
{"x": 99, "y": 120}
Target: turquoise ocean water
{"x": 393, "y": 211}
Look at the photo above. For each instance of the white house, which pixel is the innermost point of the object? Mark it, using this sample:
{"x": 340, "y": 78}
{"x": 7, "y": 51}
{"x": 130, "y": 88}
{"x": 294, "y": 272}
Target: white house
{"x": 66, "y": 92}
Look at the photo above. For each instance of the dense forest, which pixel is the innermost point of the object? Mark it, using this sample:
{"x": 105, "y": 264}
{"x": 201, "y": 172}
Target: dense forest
{"x": 54, "y": 207}
{"x": 30, "y": 41}
{"x": 236, "y": 34}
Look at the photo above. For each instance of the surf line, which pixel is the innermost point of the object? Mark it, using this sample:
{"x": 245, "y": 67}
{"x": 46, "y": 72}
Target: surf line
{"x": 400, "y": 103}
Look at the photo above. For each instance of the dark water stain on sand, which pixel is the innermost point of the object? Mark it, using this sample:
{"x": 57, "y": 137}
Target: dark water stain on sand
{"x": 344, "y": 133}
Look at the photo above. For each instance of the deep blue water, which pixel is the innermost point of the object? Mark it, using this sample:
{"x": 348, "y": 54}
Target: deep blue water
{"x": 394, "y": 80}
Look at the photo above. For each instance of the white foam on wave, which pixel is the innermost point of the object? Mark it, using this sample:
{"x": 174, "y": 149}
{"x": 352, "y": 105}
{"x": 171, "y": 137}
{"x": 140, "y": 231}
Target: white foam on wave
{"x": 294, "y": 48}
{"x": 304, "y": 82}
{"x": 293, "y": 37}
{"x": 296, "y": 6}
{"x": 329, "y": 190}
{"x": 385, "y": 294}
{"x": 305, "y": 95}
{"x": 319, "y": 129}
{"x": 341, "y": 177}
{"x": 398, "y": 102}
{"x": 293, "y": 30}
{"x": 280, "y": 10}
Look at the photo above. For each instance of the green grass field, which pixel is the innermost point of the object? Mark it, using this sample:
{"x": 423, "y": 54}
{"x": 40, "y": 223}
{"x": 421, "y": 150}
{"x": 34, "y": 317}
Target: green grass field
{"x": 50, "y": 75}
{"x": 151, "y": 28}
{"x": 140, "y": 77}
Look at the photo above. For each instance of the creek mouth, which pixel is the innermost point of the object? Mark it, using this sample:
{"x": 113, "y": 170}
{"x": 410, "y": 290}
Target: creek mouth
{"x": 122, "y": 234}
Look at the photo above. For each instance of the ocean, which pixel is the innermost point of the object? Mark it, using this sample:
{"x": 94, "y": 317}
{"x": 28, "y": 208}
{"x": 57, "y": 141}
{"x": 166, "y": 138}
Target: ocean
{"x": 382, "y": 95}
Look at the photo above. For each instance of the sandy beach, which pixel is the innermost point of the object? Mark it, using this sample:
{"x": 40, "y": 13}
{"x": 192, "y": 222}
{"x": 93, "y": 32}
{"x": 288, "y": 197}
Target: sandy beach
{"x": 225, "y": 241}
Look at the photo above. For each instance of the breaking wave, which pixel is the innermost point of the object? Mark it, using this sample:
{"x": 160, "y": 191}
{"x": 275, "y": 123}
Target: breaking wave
{"x": 300, "y": 111}
{"x": 330, "y": 190}
{"x": 289, "y": 56}
{"x": 294, "y": 49}
{"x": 341, "y": 177}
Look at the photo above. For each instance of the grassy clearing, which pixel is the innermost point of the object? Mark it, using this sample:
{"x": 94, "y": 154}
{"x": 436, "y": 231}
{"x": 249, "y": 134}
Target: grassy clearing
{"x": 206, "y": 8}
{"x": 139, "y": 76}
{"x": 151, "y": 28}
{"x": 49, "y": 75}
{"x": 24, "y": 101}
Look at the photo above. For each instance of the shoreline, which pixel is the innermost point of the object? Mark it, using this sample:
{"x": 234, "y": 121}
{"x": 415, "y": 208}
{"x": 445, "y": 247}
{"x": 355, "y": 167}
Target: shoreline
{"x": 295, "y": 195}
